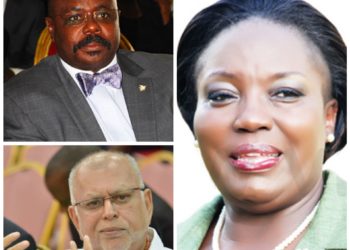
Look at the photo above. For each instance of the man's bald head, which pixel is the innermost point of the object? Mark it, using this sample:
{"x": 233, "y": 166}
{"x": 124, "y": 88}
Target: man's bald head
{"x": 105, "y": 160}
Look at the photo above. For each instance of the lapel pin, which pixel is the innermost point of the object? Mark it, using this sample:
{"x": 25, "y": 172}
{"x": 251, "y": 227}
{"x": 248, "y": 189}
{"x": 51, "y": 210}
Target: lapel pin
{"x": 142, "y": 87}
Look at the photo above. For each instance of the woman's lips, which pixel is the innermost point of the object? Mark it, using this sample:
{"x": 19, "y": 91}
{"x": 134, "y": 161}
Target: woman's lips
{"x": 255, "y": 157}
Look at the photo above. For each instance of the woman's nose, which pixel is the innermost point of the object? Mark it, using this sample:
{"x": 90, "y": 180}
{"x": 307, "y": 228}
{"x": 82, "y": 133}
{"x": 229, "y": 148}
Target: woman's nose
{"x": 253, "y": 114}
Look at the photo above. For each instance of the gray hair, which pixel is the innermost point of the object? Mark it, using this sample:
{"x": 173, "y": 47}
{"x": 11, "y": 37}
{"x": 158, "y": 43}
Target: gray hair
{"x": 96, "y": 158}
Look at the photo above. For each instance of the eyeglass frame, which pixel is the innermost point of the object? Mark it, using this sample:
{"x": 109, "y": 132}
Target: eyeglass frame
{"x": 93, "y": 14}
{"x": 103, "y": 199}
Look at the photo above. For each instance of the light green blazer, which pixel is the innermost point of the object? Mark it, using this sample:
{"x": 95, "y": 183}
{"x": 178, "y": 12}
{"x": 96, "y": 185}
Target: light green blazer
{"x": 326, "y": 231}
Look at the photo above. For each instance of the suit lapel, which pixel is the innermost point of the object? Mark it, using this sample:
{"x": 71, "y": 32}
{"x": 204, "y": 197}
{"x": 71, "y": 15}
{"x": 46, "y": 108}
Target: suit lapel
{"x": 138, "y": 91}
{"x": 76, "y": 104}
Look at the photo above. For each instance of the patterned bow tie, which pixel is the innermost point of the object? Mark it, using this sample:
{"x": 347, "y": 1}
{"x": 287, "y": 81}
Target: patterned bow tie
{"x": 111, "y": 76}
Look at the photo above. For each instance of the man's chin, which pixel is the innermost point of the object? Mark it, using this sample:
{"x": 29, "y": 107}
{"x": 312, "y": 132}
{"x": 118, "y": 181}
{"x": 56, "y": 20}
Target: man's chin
{"x": 113, "y": 244}
{"x": 93, "y": 60}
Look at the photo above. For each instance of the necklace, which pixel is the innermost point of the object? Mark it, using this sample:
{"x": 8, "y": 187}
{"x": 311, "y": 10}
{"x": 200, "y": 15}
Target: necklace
{"x": 281, "y": 246}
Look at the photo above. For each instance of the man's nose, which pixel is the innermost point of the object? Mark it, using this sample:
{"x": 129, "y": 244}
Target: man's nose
{"x": 253, "y": 114}
{"x": 110, "y": 210}
{"x": 91, "y": 26}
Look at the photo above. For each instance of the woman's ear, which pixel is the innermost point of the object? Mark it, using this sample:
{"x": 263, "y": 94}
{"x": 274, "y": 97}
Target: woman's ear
{"x": 331, "y": 110}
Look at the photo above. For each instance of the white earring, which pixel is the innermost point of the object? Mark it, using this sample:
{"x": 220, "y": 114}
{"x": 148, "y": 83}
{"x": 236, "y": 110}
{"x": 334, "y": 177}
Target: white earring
{"x": 196, "y": 144}
{"x": 330, "y": 138}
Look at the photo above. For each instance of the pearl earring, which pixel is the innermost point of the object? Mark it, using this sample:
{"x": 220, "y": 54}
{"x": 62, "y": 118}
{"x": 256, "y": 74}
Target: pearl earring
{"x": 196, "y": 144}
{"x": 330, "y": 138}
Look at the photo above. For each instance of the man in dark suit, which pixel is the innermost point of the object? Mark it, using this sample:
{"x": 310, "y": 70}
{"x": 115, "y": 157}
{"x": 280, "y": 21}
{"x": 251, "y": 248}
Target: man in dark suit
{"x": 89, "y": 92}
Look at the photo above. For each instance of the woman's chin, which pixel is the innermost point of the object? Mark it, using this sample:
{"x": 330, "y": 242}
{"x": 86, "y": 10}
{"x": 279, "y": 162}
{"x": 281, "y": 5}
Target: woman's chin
{"x": 255, "y": 201}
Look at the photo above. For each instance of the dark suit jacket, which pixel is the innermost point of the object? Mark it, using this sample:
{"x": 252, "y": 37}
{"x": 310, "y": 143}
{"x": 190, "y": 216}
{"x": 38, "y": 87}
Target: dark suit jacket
{"x": 23, "y": 22}
{"x": 45, "y": 104}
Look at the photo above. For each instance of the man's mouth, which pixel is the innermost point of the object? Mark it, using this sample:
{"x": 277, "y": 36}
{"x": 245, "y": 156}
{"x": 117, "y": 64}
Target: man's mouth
{"x": 93, "y": 40}
{"x": 113, "y": 232}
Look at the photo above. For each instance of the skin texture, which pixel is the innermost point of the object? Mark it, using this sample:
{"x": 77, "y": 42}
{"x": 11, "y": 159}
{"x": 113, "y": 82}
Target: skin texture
{"x": 8, "y": 239}
{"x": 242, "y": 79}
{"x": 101, "y": 178}
{"x": 93, "y": 56}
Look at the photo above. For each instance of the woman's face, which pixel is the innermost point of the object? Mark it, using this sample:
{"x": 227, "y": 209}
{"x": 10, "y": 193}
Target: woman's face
{"x": 263, "y": 114}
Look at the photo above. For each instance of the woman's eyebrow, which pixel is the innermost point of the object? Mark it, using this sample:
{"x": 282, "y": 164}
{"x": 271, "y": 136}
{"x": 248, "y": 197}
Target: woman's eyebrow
{"x": 275, "y": 76}
{"x": 286, "y": 74}
{"x": 221, "y": 73}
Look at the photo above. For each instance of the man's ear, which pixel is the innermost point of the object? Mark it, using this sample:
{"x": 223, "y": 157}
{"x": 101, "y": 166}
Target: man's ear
{"x": 50, "y": 26}
{"x": 331, "y": 110}
{"x": 74, "y": 217}
{"x": 149, "y": 203}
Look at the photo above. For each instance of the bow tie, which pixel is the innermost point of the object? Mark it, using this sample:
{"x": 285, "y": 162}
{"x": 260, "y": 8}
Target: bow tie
{"x": 111, "y": 76}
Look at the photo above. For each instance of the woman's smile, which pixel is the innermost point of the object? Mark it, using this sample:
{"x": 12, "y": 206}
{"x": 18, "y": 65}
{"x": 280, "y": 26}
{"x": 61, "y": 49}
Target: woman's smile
{"x": 262, "y": 115}
{"x": 262, "y": 85}
{"x": 253, "y": 158}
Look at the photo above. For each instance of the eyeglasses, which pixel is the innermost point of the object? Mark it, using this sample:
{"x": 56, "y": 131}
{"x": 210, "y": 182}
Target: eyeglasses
{"x": 101, "y": 16}
{"x": 119, "y": 198}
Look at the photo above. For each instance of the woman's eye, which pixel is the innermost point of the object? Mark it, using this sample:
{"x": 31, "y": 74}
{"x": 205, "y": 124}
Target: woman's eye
{"x": 221, "y": 97}
{"x": 286, "y": 94}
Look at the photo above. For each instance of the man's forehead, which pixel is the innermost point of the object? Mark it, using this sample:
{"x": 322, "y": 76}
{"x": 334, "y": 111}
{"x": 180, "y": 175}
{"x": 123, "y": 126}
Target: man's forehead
{"x": 106, "y": 178}
{"x": 83, "y": 4}
{"x": 121, "y": 167}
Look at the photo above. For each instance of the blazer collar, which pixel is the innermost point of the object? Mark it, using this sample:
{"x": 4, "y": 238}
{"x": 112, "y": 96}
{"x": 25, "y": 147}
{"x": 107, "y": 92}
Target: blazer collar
{"x": 138, "y": 90}
{"x": 76, "y": 104}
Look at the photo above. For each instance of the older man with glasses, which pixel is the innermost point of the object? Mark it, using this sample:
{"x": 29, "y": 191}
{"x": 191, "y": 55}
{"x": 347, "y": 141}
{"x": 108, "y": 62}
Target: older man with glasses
{"x": 111, "y": 208}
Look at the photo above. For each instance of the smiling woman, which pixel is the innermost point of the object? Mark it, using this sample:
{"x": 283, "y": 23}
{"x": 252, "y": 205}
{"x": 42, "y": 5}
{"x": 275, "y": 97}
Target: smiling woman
{"x": 262, "y": 85}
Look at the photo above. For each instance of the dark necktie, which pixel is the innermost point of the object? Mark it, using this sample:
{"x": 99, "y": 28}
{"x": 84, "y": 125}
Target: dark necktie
{"x": 111, "y": 76}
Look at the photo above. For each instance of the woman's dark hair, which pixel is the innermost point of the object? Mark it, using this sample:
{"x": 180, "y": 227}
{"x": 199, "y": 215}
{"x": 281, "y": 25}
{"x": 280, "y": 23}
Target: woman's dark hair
{"x": 208, "y": 23}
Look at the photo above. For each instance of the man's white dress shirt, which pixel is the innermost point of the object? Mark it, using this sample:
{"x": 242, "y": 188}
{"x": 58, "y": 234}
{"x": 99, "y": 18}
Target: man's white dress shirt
{"x": 156, "y": 243}
{"x": 109, "y": 107}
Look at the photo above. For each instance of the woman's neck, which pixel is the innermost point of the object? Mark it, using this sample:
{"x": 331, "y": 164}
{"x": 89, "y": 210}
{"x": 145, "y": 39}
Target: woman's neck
{"x": 244, "y": 230}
